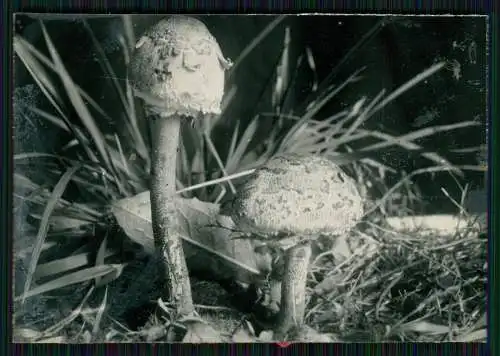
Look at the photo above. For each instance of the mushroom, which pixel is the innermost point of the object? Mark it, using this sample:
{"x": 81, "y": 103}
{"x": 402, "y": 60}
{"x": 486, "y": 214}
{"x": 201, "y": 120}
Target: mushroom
{"x": 177, "y": 69}
{"x": 289, "y": 202}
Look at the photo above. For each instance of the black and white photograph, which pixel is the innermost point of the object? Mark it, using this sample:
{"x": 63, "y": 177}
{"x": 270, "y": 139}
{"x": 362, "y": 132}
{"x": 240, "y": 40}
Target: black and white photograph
{"x": 313, "y": 178}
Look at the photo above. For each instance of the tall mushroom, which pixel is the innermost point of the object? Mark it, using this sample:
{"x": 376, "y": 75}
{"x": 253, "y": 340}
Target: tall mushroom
{"x": 178, "y": 70}
{"x": 290, "y": 201}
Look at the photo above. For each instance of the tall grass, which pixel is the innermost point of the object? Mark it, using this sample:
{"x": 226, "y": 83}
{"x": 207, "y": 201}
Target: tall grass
{"x": 104, "y": 168}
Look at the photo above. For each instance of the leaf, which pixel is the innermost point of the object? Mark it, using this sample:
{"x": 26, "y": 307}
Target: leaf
{"x": 208, "y": 245}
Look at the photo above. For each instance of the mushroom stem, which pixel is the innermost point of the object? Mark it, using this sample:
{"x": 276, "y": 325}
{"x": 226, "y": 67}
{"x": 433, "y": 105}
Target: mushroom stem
{"x": 293, "y": 289}
{"x": 165, "y": 133}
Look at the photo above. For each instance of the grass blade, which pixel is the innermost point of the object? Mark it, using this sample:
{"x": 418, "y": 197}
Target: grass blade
{"x": 89, "y": 166}
{"x": 246, "y": 138}
{"x": 405, "y": 141}
{"x": 36, "y": 70}
{"x": 100, "y": 313}
{"x": 128, "y": 29}
{"x": 418, "y": 134}
{"x": 101, "y": 255}
{"x": 409, "y": 84}
{"x": 234, "y": 140}
{"x": 255, "y": 42}
{"x": 56, "y": 121}
{"x": 48, "y": 63}
{"x": 106, "y": 66}
{"x": 282, "y": 80}
{"x": 66, "y": 264}
{"x": 213, "y": 151}
{"x": 405, "y": 179}
{"x": 68, "y": 319}
{"x": 79, "y": 104}
{"x": 44, "y": 226}
{"x": 110, "y": 74}
{"x": 312, "y": 66}
{"x": 74, "y": 278}
{"x": 314, "y": 110}
{"x": 44, "y": 84}
{"x": 474, "y": 336}
{"x": 366, "y": 37}
{"x": 141, "y": 146}
{"x": 216, "y": 181}
{"x": 361, "y": 117}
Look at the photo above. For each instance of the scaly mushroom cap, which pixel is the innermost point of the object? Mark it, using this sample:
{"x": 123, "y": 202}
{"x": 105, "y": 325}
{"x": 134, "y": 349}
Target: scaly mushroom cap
{"x": 178, "y": 68}
{"x": 302, "y": 196}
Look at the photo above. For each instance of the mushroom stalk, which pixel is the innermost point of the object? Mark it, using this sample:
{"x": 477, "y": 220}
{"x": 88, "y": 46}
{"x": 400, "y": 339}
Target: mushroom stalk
{"x": 165, "y": 141}
{"x": 293, "y": 289}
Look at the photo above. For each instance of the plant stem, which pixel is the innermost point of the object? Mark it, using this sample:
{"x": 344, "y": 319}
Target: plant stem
{"x": 165, "y": 143}
{"x": 293, "y": 289}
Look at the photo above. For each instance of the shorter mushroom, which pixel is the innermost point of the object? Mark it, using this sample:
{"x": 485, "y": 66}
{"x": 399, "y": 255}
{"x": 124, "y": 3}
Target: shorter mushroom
{"x": 289, "y": 202}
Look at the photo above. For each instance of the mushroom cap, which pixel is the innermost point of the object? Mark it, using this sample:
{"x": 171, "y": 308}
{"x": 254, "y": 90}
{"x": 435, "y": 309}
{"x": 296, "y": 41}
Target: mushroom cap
{"x": 300, "y": 197}
{"x": 178, "y": 69}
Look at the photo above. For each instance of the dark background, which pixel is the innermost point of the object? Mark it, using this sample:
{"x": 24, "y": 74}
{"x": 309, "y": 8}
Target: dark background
{"x": 393, "y": 53}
